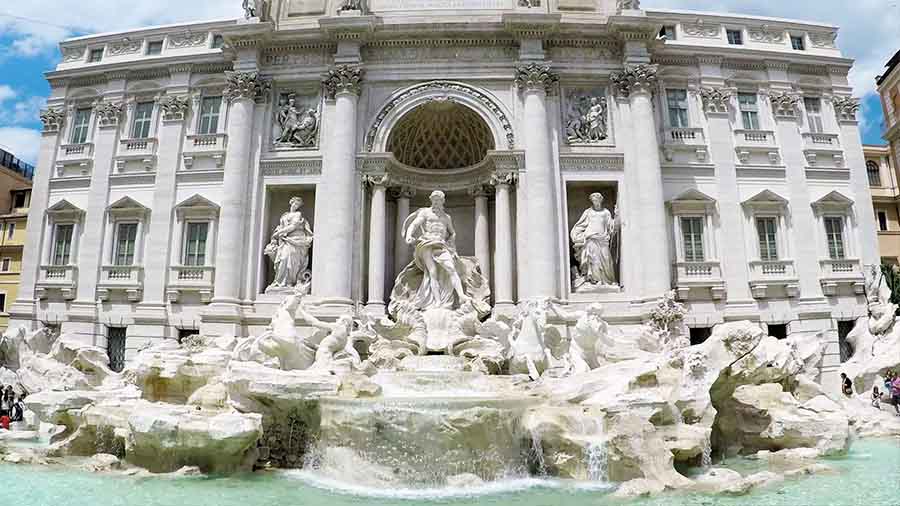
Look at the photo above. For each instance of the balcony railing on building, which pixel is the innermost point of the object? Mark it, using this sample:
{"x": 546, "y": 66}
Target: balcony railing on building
{"x": 75, "y": 160}
{"x": 699, "y": 276}
{"x": 137, "y": 153}
{"x": 127, "y": 279}
{"x": 756, "y": 147}
{"x": 191, "y": 279}
{"x": 823, "y": 149}
{"x": 205, "y": 146}
{"x": 767, "y": 276}
{"x": 61, "y": 278}
{"x": 835, "y": 273}
{"x": 685, "y": 140}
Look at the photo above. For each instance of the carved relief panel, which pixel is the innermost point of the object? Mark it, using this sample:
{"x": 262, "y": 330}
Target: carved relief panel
{"x": 297, "y": 120}
{"x": 586, "y": 117}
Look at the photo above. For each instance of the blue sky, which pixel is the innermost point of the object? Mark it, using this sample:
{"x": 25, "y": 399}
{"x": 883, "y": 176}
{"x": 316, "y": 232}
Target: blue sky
{"x": 30, "y": 32}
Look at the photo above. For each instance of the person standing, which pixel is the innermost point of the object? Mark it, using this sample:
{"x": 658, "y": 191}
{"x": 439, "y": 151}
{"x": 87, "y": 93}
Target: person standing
{"x": 895, "y": 393}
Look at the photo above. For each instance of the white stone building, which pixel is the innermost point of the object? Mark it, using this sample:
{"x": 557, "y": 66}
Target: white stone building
{"x": 728, "y": 145}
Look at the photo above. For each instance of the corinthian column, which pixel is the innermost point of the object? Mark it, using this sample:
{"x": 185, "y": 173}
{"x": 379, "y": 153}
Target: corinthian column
{"x": 482, "y": 230}
{"x": 536, "y": 80}
{"x": 402, "y": 255}
{"x": 241, "y": 90}
{"x": 336, "y": 194}
{"x": 377, "y": 244}
{"x": 649, "y": 214}
{"x": 503, "y": 257}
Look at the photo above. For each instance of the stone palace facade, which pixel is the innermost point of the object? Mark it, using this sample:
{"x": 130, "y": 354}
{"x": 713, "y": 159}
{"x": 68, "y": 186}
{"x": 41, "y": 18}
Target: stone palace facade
{"x": 589, "y": 151}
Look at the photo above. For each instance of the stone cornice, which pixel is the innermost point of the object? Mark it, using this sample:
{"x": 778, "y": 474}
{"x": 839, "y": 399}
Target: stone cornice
{"x": 498, "y": 167}
{"x": 291, "y": 167}
{"x": 531, "y": 26}
{"x": 349, "y": 27}
{"x": 342, "y": 79}
{"x": 590, "y": 163}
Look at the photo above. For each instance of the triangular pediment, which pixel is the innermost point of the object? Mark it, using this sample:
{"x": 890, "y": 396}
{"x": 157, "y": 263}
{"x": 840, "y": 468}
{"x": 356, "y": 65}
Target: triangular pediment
{"x": 197, "y": 201}
{"x": 766, "y": 197}
{"x": 127, "y": 203}
{"x": 64, "y": 207}
{"x": 834, "y": 198}
{"x": 694, "y": 195}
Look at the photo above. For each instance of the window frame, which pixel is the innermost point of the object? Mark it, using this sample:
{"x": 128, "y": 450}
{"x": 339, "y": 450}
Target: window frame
{"x": 202, "y": 114}
{"x": 10, "y": 230}
{"x": 750, "y": 117}
{"x": 144, "y": 122}
{"x": 770, "y": 238}
{"x": 815, "y": 121}
{"x": 841, "y": 234}
{"x": 797, "y": 38}
{"x": 6, "y": 264}
{"x": 195, "y": 209}
{"x": 154, "y": 43}
{"x": 128, "y": 257}
{"x": 873, "y": 168}
{"x": 677, "y": 108}
{"x": 883, "y": 224}
{"x": 55, "y": 244}
{"x": 738, "y": 41}
{"x": 95, "y": 51}
{"x": 217, "y": 42}
{"x": 79, "y": 126}
{"x": 696, "y": 239}
{"x": 187, "y": 254}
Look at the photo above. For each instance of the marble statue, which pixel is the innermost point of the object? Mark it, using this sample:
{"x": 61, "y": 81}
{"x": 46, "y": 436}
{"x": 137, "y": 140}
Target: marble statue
{"x": 586, "y": 122}
{"x": 438, "y": 277}
{"x": 532, "y": 340}
{"x": 593, "y": 243}
{"x": 251, "y": 8}
{"x": 591, "y": 332}
{"x": 289, "y": 250}
{"x": 299, "y": 126}
{"x": 337, "y": 346}
{"x": 280, "y": 345}
{"x": 878, "y": 294}
{"x": 351, "y": 5}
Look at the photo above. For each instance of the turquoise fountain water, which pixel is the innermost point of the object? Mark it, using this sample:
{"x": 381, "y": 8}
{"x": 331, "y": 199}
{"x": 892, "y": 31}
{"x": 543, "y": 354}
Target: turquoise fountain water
{"x": 869, "y": 475}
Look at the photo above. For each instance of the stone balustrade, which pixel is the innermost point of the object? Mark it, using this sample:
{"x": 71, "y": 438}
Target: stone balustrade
{"x": 699, "y": 276}
{"x": 211, "y": 146}
{"x": 63, "y": 278}
{"x": 199, "y": 279}
{"x": 126, "y": 278}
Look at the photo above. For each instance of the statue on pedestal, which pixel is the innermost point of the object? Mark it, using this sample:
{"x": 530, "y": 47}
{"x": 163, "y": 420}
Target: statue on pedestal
{"x": 289, "y": 250}
{"x": 592, "y": 240}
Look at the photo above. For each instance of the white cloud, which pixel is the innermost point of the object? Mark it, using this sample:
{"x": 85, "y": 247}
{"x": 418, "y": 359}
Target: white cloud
{"x": 868, "y": 28}
{"x": 57, "y": 19}
{"x": 22, "y": 142}
{"x": 6, "y": 93}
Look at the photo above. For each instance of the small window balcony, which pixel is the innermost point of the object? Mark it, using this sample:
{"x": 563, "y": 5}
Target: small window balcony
{"x": 128, "y": 279}
{"x": 823, "y": 149}
{"x": 191, "y": 279}
{"x": 75, "y": 160}
{"x": 139, "y": 154}
{"x": 693, "y": 279}
{"x": 691, "y": 141}
{"x": 767, "y": 277}
{"x": 57, "y": 278}
{"x": 837, "y": 273}
{"x": 756, "y": 147}
{"x": 205, "y": 147}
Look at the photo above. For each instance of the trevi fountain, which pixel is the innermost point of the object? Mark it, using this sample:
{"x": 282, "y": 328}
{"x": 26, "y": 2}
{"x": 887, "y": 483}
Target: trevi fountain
{"x": 417, "y": 262}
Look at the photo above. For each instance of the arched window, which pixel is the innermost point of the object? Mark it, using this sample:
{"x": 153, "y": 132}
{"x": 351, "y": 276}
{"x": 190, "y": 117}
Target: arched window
{"x": 874, "y": 173}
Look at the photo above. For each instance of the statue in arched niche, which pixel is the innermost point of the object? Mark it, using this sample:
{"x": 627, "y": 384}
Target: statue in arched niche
{"x": 289, "y": 250}
{"x": 593, "y": 241}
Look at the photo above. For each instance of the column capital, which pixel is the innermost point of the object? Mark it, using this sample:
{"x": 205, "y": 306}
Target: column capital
{"x": 785, "y": 104}
{"x": 536, "y": 76}
{"x": 481, "y": 191}
{"x": 715, "y": 100}
{"x": 346, "y": 78}
{"x": 174, "y": 107}
{"x": 53, "y": 120}
{"x": 503, "y": 178}
{"x": 244, "y": 85}
{"x": 403, "y": 192}
{"x": 109, "y": 113}
{"x": 635, "y": 79}
{"x": 375, "y": 180}
{"x": 845, "y": 107}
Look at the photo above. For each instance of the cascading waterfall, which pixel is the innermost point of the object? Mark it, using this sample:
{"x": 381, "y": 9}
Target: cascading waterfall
{"x": 706, "y": 458}
{"x": 536, "y": 456}
{"x": 596, "y": 454}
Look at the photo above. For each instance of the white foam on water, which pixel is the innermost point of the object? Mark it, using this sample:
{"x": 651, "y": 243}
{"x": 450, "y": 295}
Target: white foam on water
{"x": 499, "y": 487}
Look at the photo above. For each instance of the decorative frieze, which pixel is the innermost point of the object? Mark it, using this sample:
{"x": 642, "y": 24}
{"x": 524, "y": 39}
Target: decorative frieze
{"x": 187, "y": 39}
{"x": 109, "y": 113}
{"x": 73, "y": 54}
{"x": 342, "y": 79}
{"x": 300, "y": 57}
{"x": 825, "y": 40}
{"x": 716, "y": 100}
{"x": 586, "y": 116}
{"x": 701, "y": 30}
{"x": 784, "y": 104}
{"x": 293, "y": 167}
{"x": 472, "y": 51}
{"x": 536, "y": 76}
{"x": 53, "y": 120}
{"x": 635, "y": 79}
{"x": 591, "y": 163}
{"x": 174, "y": 107}
{"x": 244, "y": 85}
{"x": 766, "y": 35}
{"x": 845, "y": 107}
{"x": 125, "y": 46}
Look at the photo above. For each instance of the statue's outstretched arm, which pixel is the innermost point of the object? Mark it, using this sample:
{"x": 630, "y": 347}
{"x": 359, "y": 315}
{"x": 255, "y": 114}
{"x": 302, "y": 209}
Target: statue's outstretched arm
{"x": 312, "y": 320}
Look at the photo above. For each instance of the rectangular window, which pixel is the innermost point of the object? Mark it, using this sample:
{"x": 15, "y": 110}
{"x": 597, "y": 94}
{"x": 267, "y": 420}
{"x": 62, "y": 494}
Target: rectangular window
{"x": 692, "y": 233}
{"x": 209, "y": 115}
{"x": 115, "y": 347}
{"x": 20, "y": 200}
{"x": 126, "y": 237}
{"x": 874, "y": 173}
{"x": 6, "y": 265}
{"x": 2, "y": 302}
{"x": 834, "y": 231}
{"x": 143, "y": 117}
{"x": 797, "y": 43}
{"x": 735, "y": 37}
{"x": 678, "y": 110}
{"x": 667, "y": 32}
{"x": 749, "y": 110}
{"x": 882, "y": 221}
{"x": 62, "y": 244}
{"x": 218, "y": 41}
{"x": 154, "y": 47}
{"x": 95, "y": 55}
{"x": 80, "y": 125}
{"x": 768, "y": 240}
{"x": 11, "y": 231}
{"x": 814, "y": 114}
{"x": 195, "y": 247}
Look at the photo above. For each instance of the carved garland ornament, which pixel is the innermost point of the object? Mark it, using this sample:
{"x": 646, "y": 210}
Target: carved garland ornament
{"x": 784, "y": 104}
{"x": 701, "y": 30}
{"x": 72, "y": 54}
{"x": 448, "y": 86}
{"x": 715, "y": 100}
{"x": 845, "y": 108}
{"x": 635, "y": 78}
{"x": 109, "y": 113}
{"x": 126, "y": 46}
{"x": 342, "y": 79}
{"x": 536, "y": 76}
{"x": 624, "y": 5}
{"x": 174, "y": 107}
{"x": 246, "y": 85}
{"x": 187, "y": 39}
{"x": 53, "y": 120}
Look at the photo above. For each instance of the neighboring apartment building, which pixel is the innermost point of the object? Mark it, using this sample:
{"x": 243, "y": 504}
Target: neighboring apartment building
{"x": 15, "y": 199}
{"x": 882, "y": 173}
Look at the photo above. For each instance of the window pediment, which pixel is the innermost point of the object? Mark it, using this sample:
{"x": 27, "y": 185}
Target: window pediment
{"x": 65, "y": 210}
{"x": 834, "y": 202}
{"x": 197, "y": 207}
{"x": 692, "y": 201}
{"x": 126, "y": 207}
{"x": 766, "y": 200}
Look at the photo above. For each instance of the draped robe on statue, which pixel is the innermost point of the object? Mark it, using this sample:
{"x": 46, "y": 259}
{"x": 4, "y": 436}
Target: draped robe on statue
{"x": 434, "y": 242}
{"x": 592, "y": 239}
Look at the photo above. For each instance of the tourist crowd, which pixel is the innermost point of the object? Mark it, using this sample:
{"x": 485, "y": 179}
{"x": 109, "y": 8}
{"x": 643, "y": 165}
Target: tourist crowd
{"x": 891, "y": 393}
{"x": 12, "y": 406}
